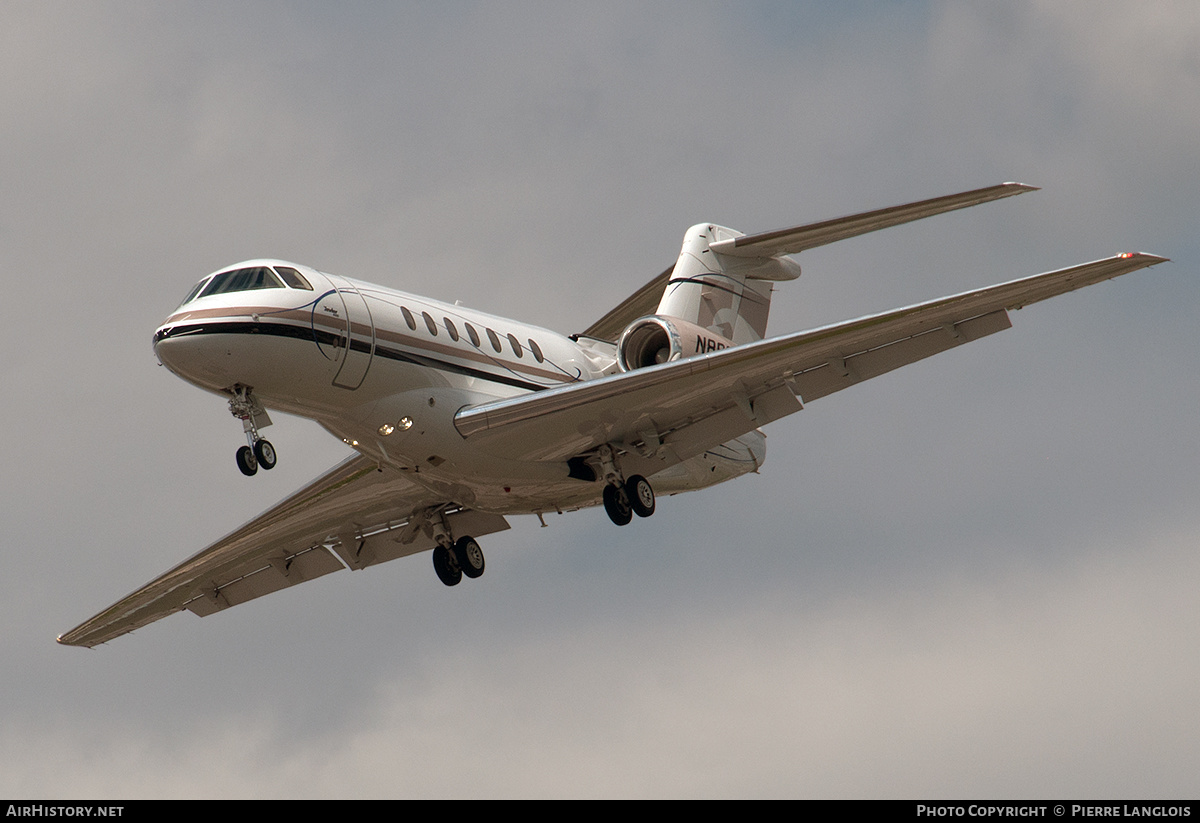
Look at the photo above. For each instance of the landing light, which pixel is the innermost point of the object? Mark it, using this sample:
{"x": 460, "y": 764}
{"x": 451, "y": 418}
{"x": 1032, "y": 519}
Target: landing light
{"x": 403, "y": 424}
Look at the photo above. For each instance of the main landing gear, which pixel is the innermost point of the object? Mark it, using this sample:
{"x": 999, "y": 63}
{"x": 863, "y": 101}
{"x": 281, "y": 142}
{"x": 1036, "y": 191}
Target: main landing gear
{"x": 453, "y": 558}
{"x": 623, "y": 498}
{"x": 257, "y": 451}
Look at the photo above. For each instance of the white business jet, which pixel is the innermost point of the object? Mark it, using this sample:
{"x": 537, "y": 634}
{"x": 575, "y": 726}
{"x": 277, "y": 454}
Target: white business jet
{"x": 459, "y": 418}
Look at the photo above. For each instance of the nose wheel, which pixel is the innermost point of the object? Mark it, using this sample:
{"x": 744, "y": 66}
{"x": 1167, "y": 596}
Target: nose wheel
{"x": 246, "y": 461}
{"x": 265, "y": 452}
{"x": 250, "y": 460}
{"x": 258, "y": 452}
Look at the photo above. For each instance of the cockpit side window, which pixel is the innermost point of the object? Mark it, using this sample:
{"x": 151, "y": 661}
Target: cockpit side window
{"x": 257, "y": 277}
{"x": 293, "y": 278}
{"x": 195, "y": 291}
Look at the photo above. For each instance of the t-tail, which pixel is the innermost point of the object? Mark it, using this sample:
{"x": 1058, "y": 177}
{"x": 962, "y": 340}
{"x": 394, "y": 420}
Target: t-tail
{"x": 718, "y": 294}
{"x": 726, "y": 295}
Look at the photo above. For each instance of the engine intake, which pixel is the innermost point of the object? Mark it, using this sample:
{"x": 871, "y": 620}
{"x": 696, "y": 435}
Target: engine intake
{"x": 652, "y": 340}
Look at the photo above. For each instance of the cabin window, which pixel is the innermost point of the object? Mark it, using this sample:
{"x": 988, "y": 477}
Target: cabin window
{"x": 495, "y": 340}
{"x": 408, "y": 318}
{"x": 256, "y": 277}
{"x": 474, "y": 335}
{"x": 516, "y": 345}
{"x": 537, "y": 352}
{"x": 451, "y": 330}
{"x": 429, "y": 324}
{"x": 293, "y": 278}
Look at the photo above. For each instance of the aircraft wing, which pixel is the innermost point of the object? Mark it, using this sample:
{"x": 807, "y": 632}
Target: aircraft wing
{"x": 796, "y": 239}
{"x": 667, "y": 413}
{"x": 353, "y": 516}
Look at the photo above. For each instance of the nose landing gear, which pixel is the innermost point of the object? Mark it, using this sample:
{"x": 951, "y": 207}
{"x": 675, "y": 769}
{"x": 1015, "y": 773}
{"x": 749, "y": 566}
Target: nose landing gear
{"x": 257, "y": 451}
{"x": 246, "y": 461}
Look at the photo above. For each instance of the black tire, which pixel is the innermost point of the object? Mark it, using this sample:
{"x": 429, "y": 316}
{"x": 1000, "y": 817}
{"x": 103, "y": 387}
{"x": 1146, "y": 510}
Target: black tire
{"x": 616, "y": 503}
{"x": 246, "y": 461}
{"x": 469, "y": 556}
{"x": 265, "y": 452}
{"x": 447, "y": 570}
{"x": 641, "y": 495}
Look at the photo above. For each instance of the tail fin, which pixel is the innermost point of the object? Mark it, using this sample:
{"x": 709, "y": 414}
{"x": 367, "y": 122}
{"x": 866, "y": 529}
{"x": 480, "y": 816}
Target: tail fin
{"x": 730, "y": 296}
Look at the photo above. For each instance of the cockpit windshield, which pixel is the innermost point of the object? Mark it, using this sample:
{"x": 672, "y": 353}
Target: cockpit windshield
{"x": 248, "y": 279}
{"x": 257, "y": 277}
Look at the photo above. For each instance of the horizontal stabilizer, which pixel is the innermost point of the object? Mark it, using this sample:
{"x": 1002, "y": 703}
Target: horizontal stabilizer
{"x": 799, "y": 238}
{"x": 794, "y": 240}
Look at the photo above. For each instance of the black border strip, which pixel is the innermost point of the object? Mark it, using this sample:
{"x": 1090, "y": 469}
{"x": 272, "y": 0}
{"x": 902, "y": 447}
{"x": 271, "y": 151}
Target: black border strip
{"x": 309, "y": 334}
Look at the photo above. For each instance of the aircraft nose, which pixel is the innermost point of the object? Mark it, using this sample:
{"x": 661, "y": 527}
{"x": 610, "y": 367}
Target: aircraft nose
{"x": 162, "y": 352}
{"x": 186, "y": 352}
{"x": 165, "y": 331}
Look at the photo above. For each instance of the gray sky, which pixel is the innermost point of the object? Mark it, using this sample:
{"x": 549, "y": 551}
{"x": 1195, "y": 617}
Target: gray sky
{"x": 973, "y": 577}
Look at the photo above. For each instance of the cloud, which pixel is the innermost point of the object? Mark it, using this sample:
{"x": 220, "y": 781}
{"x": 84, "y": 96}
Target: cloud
{"x": 1021, "y": 683}
{"x": 969, "y": 577}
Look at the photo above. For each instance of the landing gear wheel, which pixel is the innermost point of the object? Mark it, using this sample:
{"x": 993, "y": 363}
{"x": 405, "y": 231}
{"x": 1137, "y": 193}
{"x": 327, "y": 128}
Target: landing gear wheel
{"x": 469, "y": 556}
{"x": 616, "y": 503}
{"x": 246, "y": 461}
{"x": 640, "y": 494}
{"x": 447, "y": 570}
{"x": 265, "y": 453}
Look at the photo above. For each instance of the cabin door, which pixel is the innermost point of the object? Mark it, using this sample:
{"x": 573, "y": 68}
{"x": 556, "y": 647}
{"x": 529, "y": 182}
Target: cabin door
{"x": 357, "y": 344}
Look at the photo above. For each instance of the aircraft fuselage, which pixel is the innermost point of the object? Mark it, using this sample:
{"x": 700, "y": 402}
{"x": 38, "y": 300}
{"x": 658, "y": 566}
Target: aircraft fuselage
{"x": 385, "y": 371}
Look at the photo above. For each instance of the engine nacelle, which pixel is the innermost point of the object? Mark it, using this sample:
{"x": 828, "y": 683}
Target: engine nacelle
{"x": 655, "y": 339}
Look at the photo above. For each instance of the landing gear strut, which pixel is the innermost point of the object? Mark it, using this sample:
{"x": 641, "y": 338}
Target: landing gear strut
{"x": 257, "y": 451}
{"x": 624, "y": 497}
